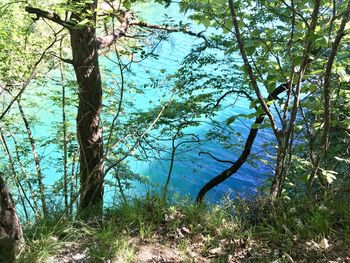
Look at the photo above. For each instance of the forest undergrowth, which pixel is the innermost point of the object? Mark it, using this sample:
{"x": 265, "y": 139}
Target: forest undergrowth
{"x": 149, "y": 229}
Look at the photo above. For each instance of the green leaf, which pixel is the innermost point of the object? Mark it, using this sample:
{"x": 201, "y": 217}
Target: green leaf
{"x": 231, "y": 120}
{"x": 83, "y": 23}
{"x": 250, "y": 50}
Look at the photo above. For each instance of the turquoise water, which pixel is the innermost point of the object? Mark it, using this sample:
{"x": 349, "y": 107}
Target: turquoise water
{"x": 191, "y": 171}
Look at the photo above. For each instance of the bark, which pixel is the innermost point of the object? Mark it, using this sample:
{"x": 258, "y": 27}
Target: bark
{"x": 73, "y": 182}
{"x": 46, "y": 14}
{"x": 283, "y": 135}
{"x": 249, "y": 70}
{"x": 245, "y": 153}
{"x": 285, "y": 143}
{"x": 276, "y": 186}
{"x": 85, "y": 61}
{"x": 120, "y": 186}
{"x": 11, "y": 235}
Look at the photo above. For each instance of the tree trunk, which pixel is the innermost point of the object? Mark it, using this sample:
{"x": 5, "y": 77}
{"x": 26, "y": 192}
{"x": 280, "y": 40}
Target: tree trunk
{"x": 85, "y": 61}
{"x": 33, "y": 196}
{"x": 173, "y": 150}
{"x": 277, "y": 183}
{"x": 64, "y": 128}
{"x": 11, "y": 236}
{"x": 36, "y": 160}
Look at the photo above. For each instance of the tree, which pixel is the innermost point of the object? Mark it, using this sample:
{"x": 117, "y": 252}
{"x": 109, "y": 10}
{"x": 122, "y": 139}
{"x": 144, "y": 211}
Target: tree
{"x": 21, "y": 64}
{"x": 81, "y": 21}
{"x": 280, "y": 43}
{"x": 11, "y": 236}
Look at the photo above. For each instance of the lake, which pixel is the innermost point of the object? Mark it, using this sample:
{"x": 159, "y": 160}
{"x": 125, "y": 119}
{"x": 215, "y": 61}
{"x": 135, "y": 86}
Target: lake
{"x": 191, "y": 170}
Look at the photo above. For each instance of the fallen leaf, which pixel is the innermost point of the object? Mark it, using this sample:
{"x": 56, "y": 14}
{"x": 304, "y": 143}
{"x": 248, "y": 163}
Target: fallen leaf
{"x": 185, "y": 230}
{"x": 324, "y": 243}
{"x": 215, "y": 251}
{"x": 179, "y": 233}
{"x": 224, "y": 242}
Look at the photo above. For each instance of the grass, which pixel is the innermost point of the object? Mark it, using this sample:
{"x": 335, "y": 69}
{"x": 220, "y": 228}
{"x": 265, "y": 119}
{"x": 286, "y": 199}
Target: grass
{"x": 258, "y": 230}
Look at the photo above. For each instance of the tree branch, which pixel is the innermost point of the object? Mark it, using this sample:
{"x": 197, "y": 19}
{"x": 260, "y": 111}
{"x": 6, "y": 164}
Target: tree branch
{"x": 168, "y": 29}
{"x": 47, "y": 15}
{"x": 250, "y": 71}
{"x": 108, "y": 40}
{"x": 327, "y": 97}
{"x": 246, "y": 151}
{"x": 216, "y": 159}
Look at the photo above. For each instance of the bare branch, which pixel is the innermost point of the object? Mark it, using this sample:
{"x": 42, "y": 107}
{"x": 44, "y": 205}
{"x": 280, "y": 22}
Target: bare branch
{"x": 108, "y": 40}
{"x": 216, "y": 159}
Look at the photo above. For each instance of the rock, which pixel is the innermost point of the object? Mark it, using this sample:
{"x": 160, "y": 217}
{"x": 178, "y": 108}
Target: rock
{"x": 191, "y": 253}
{"x": 312, "y": 245}
{"x": 81, "y": 257}
{"x": 157, "y": 253}
{"x": 224, "y": 242}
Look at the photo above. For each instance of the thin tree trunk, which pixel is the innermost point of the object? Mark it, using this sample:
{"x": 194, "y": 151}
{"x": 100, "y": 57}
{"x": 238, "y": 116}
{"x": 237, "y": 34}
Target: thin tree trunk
{"x": 283, "y": 135}
{"x": 32, "y": 194}
{"x": 120, "y": 186}
{"x": 64, "y": 127}
{"x": 173, "y": 150}
{"x": 327, "y": 98}
{"x": 16, "y": 178}
{"x": 72, "y": 181}
{"x": 85, "y": 45}
{"x": 36, "y": 160}
{"x": 276, "y": 186}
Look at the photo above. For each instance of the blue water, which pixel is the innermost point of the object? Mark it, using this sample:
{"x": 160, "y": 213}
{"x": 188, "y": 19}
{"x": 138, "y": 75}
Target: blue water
{"x": 191, "y": 171}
